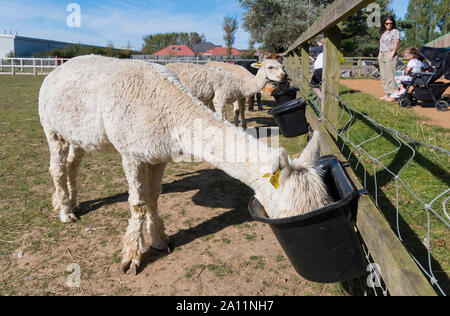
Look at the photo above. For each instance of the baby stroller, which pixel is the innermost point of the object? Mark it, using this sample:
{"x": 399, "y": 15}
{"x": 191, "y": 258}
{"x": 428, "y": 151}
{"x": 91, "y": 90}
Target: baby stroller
{"x": 424, "y": 85}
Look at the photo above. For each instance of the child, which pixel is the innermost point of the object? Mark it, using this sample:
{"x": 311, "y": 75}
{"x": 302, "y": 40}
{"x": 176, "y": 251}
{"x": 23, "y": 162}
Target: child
{"x": 415, "y": 65}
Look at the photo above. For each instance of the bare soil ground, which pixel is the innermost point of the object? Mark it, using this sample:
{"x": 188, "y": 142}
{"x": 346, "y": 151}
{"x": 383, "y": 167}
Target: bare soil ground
{"x": 375, "y": 88}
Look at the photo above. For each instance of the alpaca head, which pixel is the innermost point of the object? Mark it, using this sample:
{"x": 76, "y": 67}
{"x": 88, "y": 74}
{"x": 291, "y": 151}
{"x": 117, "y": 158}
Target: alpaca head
{"x": 299, "y": 184}
{"x": 272, "y": 70}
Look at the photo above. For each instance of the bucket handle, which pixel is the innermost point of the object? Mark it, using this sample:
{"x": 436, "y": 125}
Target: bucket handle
{"x": 362, "y": 192}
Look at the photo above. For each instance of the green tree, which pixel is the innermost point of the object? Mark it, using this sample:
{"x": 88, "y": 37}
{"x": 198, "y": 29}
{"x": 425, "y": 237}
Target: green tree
{"x": 359, "y": 38}
{"x": 275, "y": 24}
{"x": 78, "y": 50}
{"x": 230, "y": 27}
{"x": 156, "y": 42}
{"x": 429, "y": 19}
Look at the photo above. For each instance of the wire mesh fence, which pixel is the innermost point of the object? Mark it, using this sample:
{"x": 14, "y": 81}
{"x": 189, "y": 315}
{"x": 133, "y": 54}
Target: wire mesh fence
{"x": 408, "y": 180}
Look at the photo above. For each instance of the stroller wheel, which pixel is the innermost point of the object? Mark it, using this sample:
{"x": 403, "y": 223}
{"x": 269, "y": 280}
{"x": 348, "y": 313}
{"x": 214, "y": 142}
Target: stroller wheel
{"x": 442, "y": 105}
{"x": 405, "y": 103}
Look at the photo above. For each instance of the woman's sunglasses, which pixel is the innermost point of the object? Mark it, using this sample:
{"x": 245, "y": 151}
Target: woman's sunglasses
{"x": 388, "y": 23}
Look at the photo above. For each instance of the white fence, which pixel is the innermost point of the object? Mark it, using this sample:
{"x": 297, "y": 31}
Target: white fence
{"x": 357, "y": 66}
{"x": 43, "y": 66}
{"x": 29, "y": 66}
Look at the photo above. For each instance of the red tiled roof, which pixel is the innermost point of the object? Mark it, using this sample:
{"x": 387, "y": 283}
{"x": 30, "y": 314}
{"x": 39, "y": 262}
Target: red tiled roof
{"x": 222, "y": 51}
{"x": 179, "y": 50}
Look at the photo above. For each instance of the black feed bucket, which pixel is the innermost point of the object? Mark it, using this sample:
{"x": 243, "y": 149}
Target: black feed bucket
{"x": 322, "y": 245}
{"x": 291, "y": 119}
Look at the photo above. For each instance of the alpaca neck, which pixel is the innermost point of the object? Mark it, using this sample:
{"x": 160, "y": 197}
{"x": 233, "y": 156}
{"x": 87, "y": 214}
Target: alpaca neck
{"x": 255, "y": 86}
{"x": 229, "y": 149}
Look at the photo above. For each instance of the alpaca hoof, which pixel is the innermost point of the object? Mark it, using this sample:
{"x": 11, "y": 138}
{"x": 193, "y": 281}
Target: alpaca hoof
{"x": 260, "y": 109}
{"x": 132, "y": 265}
{"x": 134, "y": 268}
{"x": 124, "y": 267}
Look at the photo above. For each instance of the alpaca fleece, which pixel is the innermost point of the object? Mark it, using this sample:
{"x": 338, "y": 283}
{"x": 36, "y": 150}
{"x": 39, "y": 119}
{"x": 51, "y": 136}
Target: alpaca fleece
{"x": 144, "y": 113}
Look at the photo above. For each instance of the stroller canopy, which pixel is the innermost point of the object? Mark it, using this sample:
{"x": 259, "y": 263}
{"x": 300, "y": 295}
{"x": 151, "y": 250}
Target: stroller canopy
{"x": 439, "y": 58}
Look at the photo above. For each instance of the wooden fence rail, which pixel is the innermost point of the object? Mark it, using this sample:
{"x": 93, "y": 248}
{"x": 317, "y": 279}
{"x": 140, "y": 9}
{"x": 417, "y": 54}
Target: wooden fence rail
{"x": 398, "y": 270}
{"x": 29, "y": 66}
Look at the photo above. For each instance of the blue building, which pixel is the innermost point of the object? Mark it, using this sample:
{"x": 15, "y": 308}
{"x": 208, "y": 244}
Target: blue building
{"x": 23, "y": 47}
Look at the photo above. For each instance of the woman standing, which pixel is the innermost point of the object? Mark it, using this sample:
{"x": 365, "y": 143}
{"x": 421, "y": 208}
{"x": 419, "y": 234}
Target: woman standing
{"x": 388, "y": 58}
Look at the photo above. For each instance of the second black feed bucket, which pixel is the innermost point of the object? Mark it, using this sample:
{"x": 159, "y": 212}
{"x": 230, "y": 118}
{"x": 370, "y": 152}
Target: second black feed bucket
{"x": 285, "y": 95}
{"x": 322, "y": 245}
{"x": 291, "y": 119}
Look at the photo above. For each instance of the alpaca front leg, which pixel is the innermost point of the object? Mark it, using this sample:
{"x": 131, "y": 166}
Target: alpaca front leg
{"x": 59, "y": 150}
{"x": 136, "y": 173}
{"x": 132, "y": 248}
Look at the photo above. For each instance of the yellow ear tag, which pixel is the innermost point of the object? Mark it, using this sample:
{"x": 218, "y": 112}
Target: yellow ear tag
{"x": 274, "y": 179}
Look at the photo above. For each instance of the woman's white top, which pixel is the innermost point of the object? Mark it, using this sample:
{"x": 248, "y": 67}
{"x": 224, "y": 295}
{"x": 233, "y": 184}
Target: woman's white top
{"x": 318, "y": 64}
{"x": 387, "y": 41}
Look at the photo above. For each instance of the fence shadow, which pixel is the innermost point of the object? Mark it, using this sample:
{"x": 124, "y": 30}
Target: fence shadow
{"x": 263, "y": 121}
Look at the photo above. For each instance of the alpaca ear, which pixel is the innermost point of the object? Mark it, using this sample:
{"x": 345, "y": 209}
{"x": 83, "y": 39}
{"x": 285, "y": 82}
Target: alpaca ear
{"x": 281, "y": 161}
{"x": 256, "y": 65}
{"x": 311, "y": 152}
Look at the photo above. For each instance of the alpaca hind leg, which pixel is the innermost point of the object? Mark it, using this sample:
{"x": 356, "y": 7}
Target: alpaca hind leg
{"x": 73, "y": 165}
{"x": 236, "y": 113}
{"x": 136, "y": 173}
{"x": 155, "y": 225}
{"x": 242, "y": 113}
{"x": 59, "y": 150}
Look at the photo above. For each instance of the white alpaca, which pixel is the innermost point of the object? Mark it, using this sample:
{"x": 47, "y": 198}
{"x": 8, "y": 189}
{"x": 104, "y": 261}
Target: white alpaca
{"x": 225, "y": 86}
{"x": 143, "y": 112}
{"x": 244, "y": 76}
{"x": 213, "y": 86}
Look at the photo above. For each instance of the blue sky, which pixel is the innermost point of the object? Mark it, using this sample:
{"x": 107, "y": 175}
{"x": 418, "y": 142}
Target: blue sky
{"x": 122, "y": 21}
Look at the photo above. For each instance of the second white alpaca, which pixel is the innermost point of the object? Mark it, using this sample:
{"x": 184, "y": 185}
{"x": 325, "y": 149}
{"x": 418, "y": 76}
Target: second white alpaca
{"x": 217, "y": 87}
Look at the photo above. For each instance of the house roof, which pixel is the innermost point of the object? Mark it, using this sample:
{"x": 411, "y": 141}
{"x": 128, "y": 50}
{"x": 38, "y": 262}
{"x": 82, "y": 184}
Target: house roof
{"x": 179, "y": 50}
{"x": 222, "y": 51}
{"x": 203, "y": 47}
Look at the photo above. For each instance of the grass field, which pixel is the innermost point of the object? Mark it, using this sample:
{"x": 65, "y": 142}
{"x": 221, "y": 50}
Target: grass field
{"x": 425, "y": 171}
{"x": 219, "y": 250}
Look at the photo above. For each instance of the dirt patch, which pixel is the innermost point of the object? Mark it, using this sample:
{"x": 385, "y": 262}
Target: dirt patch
{"x": 375, "y": 88}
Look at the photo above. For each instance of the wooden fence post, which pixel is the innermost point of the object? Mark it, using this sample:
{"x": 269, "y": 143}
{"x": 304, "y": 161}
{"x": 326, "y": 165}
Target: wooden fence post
{"x": 332, "y": 73}
{"x": 296, "y": 66}
{"x": 304, "y": 73}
